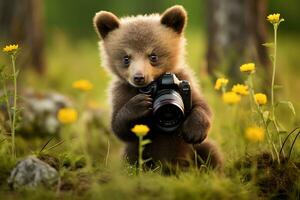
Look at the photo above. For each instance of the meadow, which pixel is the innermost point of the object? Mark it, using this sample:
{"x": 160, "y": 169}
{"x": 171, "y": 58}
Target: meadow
{"x": 88, "y": 157}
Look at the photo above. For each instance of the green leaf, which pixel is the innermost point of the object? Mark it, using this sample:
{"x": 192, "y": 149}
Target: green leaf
{"x": 272, "y": 58}
{"x": 145, "y": 142}
{"x": 17, "y": 73}
{"x": 281, "y": 20}
{"x": 269, "y": 45}
{"x": 266, "y": 115}
{"x": 289, "y": 105}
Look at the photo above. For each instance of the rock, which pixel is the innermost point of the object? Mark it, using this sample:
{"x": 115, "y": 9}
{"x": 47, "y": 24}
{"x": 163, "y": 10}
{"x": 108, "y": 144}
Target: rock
{"x": 32, "y": 172}
{"x": 39, "y": 113}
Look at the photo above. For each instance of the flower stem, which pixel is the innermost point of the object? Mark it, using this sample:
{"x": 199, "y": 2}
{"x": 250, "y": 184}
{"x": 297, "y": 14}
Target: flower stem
{"x": 273, "y": 78}
{"x": 107, "y": 153}
{"x": 274, "y": 66}
{"x": 223, "y": 89}
{"x": 273, "y": 117}
{"x": 13, "y": 125}
{"x": 140, "y": 154}
{"x": 250, "y": 85}
{"x": 263, "y": 119}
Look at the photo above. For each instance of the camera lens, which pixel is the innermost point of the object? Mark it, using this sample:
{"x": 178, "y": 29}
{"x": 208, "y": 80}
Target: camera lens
{"x": 168, "y": 110}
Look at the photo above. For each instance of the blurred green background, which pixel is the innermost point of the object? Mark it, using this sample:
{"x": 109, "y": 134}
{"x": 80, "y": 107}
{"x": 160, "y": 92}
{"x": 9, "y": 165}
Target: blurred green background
{"x": 75, "y": 17}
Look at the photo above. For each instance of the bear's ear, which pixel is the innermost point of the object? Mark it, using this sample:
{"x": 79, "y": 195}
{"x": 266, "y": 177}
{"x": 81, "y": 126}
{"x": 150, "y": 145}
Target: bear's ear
{"x": 105, "y": 22}
{"x": 175, "y": 18}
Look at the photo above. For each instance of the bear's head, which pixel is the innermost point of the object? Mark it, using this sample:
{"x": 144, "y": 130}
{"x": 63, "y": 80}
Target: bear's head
{"x": 141, "y": 48}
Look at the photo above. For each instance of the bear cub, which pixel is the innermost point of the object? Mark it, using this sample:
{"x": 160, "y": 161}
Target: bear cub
{"x": 138, "y": 50}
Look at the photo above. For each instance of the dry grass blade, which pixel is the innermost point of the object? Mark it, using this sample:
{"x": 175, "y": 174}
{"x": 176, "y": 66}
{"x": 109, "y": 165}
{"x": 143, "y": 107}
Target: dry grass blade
{"x": 287, "y": 137}
{"x": 57, "y": 144}
{"x": 291, "y": 149}
{"x": 46, "y": 143}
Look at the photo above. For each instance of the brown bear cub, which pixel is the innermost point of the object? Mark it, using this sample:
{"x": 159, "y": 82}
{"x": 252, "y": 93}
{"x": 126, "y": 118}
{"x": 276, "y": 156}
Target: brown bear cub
{"x": 138, "y": 50}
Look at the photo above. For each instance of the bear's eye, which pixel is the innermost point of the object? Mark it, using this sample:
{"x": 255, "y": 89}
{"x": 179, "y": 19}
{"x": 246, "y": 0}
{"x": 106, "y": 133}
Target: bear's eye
{"x": 153, "y": 57}
{"x": 126, "y": 60}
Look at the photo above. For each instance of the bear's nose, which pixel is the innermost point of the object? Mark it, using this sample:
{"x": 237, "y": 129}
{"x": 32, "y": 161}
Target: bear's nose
{"x": 139, "y": 79}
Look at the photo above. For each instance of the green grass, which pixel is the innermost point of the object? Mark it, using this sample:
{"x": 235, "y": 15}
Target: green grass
{"x": 68, "y": 61}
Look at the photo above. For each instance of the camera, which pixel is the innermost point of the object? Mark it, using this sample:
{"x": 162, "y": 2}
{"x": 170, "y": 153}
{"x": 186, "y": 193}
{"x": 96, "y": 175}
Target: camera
{"x": 171, "y": 101}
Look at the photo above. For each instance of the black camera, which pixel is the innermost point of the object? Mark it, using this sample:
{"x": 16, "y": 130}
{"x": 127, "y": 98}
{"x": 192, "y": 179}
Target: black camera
{"x": 171, "y": 101}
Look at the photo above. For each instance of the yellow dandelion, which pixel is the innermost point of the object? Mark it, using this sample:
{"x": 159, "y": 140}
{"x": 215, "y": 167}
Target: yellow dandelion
{"x": 260, "y": 98}
{"x": 140, "y": 130}
{"x": 220, "y": 83}
{"x": 273, "y": 18}
{"x": 248, "y": 67}
{"x": 231, "y": 98}
{"x": 240, "y": 89}
{"x": 83, "y": 85}
{"x": 67, "y": 115}
{"x": 11, "y": 48}
{"x": 255, "y": 134}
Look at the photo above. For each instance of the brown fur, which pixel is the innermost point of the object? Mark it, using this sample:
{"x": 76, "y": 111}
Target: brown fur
{"x": 138, "y": 37}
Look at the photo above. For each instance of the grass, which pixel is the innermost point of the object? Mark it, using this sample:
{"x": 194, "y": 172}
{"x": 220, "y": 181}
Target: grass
{"x": 86, "y": 175}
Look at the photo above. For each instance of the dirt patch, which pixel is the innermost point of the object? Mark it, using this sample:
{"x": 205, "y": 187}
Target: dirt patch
{"x": 50, "y": 160}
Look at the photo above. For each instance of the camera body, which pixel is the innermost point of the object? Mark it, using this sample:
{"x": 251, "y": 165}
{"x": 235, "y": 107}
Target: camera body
{"x": 171, "y": 101}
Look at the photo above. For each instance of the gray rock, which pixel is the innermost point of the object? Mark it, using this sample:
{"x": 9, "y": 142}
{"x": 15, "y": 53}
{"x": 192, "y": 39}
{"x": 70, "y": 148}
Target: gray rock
{"x": 32, "y": 172}
{"x": 39, "y": 113}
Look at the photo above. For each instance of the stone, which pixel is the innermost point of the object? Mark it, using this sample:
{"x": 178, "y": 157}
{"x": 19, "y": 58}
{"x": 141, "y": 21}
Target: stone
{"x": 32, "y": 172}
{"x": 39, "y": 113}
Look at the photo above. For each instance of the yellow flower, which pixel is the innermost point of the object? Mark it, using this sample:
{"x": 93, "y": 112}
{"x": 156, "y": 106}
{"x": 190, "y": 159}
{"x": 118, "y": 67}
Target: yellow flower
{"x": 140, "y": 130}
{"x": 231, "y": 98}
{"x": 11, "y": 48}
{"x": 220, "y": 83}
{"x": 240, "y": 89}
{"x": 83, "y": 85}
{"x": 67, "y": 115}
{"x": 260, "y": 98}
{"x": 273, "y": 18}
{"x": 248, "y": 67}
{"x": 255, "y": 134}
